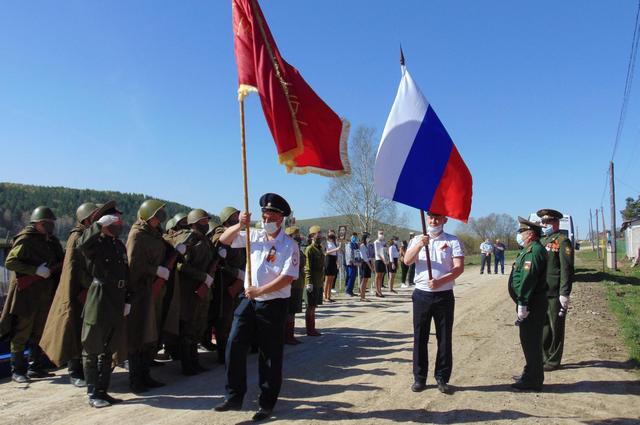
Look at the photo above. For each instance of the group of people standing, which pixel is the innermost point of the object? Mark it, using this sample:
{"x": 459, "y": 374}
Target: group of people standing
{"x": 487, "y": 249}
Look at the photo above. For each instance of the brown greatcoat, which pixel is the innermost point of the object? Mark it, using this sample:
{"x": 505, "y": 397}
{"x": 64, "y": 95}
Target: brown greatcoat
{"x": 61, "y": 337}
{"x": 146, "y": 250}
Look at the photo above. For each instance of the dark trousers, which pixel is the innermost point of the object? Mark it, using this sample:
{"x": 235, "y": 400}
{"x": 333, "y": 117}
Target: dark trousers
{"x": 485, "y": 259}
{"x": 412, "y": 273}
{"x": 438, "y": 306}
{"x": 531, "y": 340}
{"x": 404, "y": 269}
{"x": 553, "y": 334}
{"x": 498, "y": 259}
{"x": 352, "y": 274}
{"x": 263, "y": 321}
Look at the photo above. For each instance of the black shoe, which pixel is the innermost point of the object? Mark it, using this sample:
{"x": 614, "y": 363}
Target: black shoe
{"x": 155, "y": 363}
{"x": 208, "y": 345}
{"x": 418, "y": 387}
{"x": 227, "y": 405}
{"x": 525, "y": 386}
{"x": 149, "y": 382}
{"x": 110, "y": 399}
{"x": 261, "y": 414}
{"x": 38, "y": 373}
{"x": 98, "y": 403}
{"x": 444, "y": 388}
{"x": 77, "y": 382}
{"x": 138, "y": 388}
{"x": 20, "y": 379}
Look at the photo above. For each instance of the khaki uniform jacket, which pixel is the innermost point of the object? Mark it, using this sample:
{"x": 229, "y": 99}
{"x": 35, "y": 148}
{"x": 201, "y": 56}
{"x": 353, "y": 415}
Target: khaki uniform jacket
{"x": 61, "y": 337}
{"x": 559, "y": 264}
{"x": 106, "y": 261}
{"x": 30, "y": 249}
{"x": 314, "y": 266}
{"x": 146, "y": 250}
{"x": 193, "y": 269}
{"x": 529, "y": 274}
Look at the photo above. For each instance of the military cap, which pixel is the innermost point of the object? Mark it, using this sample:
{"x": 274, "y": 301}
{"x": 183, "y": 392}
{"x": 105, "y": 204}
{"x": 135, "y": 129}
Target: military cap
{"x": 528, "y": 225}
{"x": 548, "y": 214}
{"x": 314, "y": 229}
{"x": 42, "y": 213}
{"x": 291, "y": 230}
{"x": 227, "y": 212}
{"x": 275, "y": 202}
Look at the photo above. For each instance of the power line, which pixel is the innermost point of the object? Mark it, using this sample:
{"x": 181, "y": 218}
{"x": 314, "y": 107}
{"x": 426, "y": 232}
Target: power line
{"x": 628, "y": 82}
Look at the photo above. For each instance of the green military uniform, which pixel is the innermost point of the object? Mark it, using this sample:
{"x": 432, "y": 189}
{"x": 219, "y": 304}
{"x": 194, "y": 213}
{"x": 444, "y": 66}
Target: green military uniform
{"x": 103, "y": 314}
{"x": 230, "y": 273}
{"x": 25, "y": 310}
{"x": 297, "y": 289}
{"x": 314, "y": 274}
{"x": 193, "y": 271}
{"x": 559, "y": 280}
{"x": 527, "y": 287}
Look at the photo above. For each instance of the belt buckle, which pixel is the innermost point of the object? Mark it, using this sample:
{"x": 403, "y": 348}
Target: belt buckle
{"x": 121, "y": 284}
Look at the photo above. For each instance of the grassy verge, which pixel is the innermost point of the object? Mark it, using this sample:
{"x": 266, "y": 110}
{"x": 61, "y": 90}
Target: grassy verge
{"x": 623, "y": 293}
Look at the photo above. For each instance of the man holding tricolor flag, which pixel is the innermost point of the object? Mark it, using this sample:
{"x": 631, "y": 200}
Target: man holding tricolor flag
{"x": 309, "y": 137}
{"x": 418, "y": 165}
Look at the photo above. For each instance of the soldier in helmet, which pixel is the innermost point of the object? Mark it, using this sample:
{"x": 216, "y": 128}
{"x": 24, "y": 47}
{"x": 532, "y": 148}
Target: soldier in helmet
{"x": 559, "y": 280}
{"x": 229, "y": 279}
{"x": 196, "y": 278}
{"x": 61, "y": 336}
{"x": 35, "y": 260}
{"x": 147, "y": 252}
{"x": 313, "y": 278}
{"x": 107, "y": 301}
{"x": 297, "y": 288}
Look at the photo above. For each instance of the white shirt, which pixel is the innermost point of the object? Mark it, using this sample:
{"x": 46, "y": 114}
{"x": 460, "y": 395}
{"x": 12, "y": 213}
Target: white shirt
{"x": 330, "y": 246}
{"x": 442, "y": 251}
{"x": 393, "y": 252}
{"x": 378, "y": 246}
{"x": 270, "y": 259}
{"x": 364, "y": 252}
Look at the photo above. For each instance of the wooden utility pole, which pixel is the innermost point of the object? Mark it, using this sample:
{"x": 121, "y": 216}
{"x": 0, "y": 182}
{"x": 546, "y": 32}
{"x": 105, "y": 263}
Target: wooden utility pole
{"x": 597, "y": 234}
{"x": 612, "y": 190}
{"x": 604, "y": 234}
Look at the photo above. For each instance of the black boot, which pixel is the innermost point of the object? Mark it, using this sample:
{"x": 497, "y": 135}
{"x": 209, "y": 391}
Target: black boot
{"x": 19, "y": 368}
{"x": 76, "y": 374}
{"x": 136, "y": 373}
{"x": 186, "y": 361}
{"x": 91, "y": 374}
{"x": 38, "y": 363}
{"x": 104, "y": 379}
{"x": 195, "y": 359}
{"x": 149, "y": 382}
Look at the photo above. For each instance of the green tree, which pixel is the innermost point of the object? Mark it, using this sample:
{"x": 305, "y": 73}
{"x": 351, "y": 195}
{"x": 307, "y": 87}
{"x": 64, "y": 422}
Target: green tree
{"x": 631, "y": 209}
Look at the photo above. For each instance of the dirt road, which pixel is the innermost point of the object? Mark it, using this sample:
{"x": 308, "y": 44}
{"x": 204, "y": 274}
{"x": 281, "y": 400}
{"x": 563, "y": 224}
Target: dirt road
{"x": 359, "y": 371}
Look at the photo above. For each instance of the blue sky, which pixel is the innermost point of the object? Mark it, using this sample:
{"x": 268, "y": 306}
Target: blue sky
{"x": 140, "y": 96}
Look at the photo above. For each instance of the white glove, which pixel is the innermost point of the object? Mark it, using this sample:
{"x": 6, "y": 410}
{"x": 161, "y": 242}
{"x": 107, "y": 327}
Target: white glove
{"x": 523, "y": 312}
{"x": 181, "y": 248}
{"x": 163, "y": 272}
{"x": 108, "y": 220}
{"x": 208, "y": 281}
{"x": 222, "y": 252}
{"x": 564, "y": 301}
{"x": 240, "y": 275}
{"x": 127, "y": 309}
{"x": 43, "y": 271}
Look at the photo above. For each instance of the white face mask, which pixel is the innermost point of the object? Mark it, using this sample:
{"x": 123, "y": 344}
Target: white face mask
{"x": 270, "y": 227}
{"x": 547, "y": 230}
{"x": 520, "y": 239}
{"x": 435, "y": 230}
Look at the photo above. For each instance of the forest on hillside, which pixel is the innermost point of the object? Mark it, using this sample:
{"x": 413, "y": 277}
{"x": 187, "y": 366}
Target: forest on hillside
{"x": 17, "y": 201}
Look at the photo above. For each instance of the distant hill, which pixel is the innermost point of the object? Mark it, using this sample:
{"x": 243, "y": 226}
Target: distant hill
{"x": 332, "y": 223}
{"x": 18, "y": 200}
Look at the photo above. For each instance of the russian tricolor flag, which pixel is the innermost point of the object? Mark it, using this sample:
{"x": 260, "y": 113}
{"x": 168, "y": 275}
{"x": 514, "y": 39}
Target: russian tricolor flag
{"x": 417, "y": 163}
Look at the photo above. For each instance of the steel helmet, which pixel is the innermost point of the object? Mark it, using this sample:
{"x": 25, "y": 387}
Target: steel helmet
{"x": 85, "y": 211}
{"x": 42, "y": 213}
{"x": 150, "y": 208}
{"x": 196, "y": 215}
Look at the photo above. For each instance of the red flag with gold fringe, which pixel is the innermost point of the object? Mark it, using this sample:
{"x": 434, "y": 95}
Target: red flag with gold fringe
{"x": 309, "y": 136}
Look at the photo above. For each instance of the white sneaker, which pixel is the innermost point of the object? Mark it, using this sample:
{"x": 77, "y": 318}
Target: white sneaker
{"x": 333, "y": 291}
{"x": 404, "y": 285}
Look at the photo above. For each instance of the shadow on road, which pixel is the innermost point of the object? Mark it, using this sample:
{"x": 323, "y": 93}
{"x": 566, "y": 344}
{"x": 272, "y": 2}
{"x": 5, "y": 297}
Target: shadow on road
{"x": 591, "y": 275}
{"x": 598, "y": 387}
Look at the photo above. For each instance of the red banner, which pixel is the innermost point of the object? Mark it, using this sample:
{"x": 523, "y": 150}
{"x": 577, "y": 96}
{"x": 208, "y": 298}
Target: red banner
{"x": 309, "y": 136}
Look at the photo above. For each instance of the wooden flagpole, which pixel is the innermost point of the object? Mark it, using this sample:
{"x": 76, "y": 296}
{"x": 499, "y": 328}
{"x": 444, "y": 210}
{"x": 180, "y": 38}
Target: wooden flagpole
{"x": 246, "y": 190}
{"x": 426, "y": 247}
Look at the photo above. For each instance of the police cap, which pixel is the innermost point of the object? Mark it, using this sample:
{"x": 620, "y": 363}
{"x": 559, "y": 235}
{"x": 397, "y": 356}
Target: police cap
{"x": 275, "y": 202}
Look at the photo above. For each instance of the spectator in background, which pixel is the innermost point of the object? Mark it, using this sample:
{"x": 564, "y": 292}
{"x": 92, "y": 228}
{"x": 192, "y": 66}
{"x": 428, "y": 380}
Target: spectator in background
{"x": 412, "y": 268}
{"x": 331, "y": 265}
{"x": 352, "y": 258}
{"x": 403, "y": 267}
{"x": 366, "y": 267}
{"x": 486, "y": 249}
{"x": 393, "y": 262}
{"x": 498, "y": 256}
{"x": 380, "y": 259}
